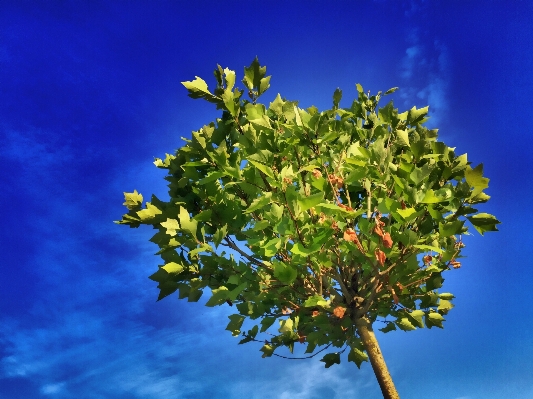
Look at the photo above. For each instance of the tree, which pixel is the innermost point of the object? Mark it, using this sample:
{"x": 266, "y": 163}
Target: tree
{"x": 324, "y": 222}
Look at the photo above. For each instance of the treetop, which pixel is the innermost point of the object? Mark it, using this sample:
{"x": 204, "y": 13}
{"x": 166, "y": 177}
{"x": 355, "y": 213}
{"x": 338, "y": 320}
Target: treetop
{"x": 307, "y": 222}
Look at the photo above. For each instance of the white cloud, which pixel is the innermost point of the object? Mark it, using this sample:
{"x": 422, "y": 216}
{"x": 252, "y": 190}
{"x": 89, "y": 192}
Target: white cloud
{"x": 52, "y": 389}
{"x": 425, "y": 71}
{"x": 410, "y": 61}
{"x": 413, "y": 7}
{"x": 310, "y": 380}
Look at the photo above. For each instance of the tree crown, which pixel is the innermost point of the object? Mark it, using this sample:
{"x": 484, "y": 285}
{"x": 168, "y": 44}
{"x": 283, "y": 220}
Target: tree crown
{"x": 314, "y": 220}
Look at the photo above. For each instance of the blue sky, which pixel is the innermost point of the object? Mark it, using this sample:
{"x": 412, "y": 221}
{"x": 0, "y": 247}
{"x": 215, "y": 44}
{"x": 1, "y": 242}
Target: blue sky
{"x": 90, "y": 93}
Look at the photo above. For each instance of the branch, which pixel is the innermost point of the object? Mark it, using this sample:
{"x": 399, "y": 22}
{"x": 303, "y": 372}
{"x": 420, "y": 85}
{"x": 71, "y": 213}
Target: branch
{"x": 255, "y": 261}
{"x": 267, "y": 184}
{"x": 293, "y": 217}
{"x": 344, "y": 290}
{"x": 291, "y": 358}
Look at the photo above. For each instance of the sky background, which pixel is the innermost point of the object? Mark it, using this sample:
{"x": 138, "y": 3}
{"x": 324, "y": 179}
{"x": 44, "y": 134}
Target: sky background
{"x": 90, "y": 93}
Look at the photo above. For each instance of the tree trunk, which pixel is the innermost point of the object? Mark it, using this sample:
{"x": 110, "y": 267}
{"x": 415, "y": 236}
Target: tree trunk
{"x": 376, "y": 359}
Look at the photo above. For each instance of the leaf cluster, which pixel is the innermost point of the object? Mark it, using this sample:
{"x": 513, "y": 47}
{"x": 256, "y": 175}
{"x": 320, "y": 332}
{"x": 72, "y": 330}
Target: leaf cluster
{"x": 306, "y": 221}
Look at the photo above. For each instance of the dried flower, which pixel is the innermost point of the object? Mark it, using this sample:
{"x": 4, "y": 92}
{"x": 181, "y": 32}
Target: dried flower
{"x": 339, "y": 312}
{"x": 387, "y": 240}
{"x": 345, "y": 207}
{"x": 336, "y": 180}
{"x": 350, "y": 235}
{"x": 380, "y": 256}
{"x": 316, "y": 173}
{"x": 455, "y": 264}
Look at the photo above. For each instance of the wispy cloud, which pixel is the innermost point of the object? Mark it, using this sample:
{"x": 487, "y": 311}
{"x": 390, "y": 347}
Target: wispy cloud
{"x": 425, "y": 71}
{"x": 309, "y": 380}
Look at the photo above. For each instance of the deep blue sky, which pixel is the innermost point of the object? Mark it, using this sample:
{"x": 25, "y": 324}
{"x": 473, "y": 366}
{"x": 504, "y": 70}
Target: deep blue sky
{"x": 90, "y": 93}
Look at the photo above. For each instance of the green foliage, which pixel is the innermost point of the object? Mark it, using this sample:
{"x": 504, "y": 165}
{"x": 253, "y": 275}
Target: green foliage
{"x": 312, "y": 219}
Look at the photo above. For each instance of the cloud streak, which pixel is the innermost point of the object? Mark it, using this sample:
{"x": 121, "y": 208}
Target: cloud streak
{"x": 425, "y": 71}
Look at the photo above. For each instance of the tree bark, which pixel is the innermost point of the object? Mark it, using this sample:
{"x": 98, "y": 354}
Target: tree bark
{"x": 377, "y": 361}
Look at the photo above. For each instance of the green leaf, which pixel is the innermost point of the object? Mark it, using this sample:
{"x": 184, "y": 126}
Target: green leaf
{"x": 316, "y": 300}
{"x": 284, "y": 273}
{"x": 234, "y": 293}
{"x": 339, "y": 210}
{"x": 198, "y": 89}
{"x": 474, "y": 178}
{"x": 263, "y": 168}
{"x": 261, "y": 224}
{"x": 204, "y": 216}
{"x": 173, "y": 268}
{"x": 419, "y": 174}
{"x": 160, "y": 276}
{"x": 484, "y": 222}
{"x": 219, "y": 297}
{"x": 194, "y": 295}
{"x": 277, "y": 105}
{"x": 202, "y": 248}
{"x": 219, "y": 235}
{"x": 389, "y": 327}
{"x": 267, "y": 350}
{"x": 337, "y": 95}
{"x": 235, "y": 324}
{"x": 357, "y": 356}
{"x": 264, "y": 85}
{"x": 164, "y": 164}
{"x": 446, "y": 295}
{"x": 259, "y": 202}
{"x": 416, "y": 115}
{"x": 211, "y": 176}
{"x": 359, "y": 88}
{"x": 149, "y": 213}
{"x": 444, "y": 306}
{"x": 403, "y": 137}
{"x": 405, "y": 324}
{"x": 311, "y": 201}
{"x": 313, "y": 247}
{"x": 429, "y": 248}
{"x": 171, "y": 225}
{"x": 133, "y": 200}
{"x": 435, "y": 281}
{"x": 331, "y": 358}
{"x": 266, "y": 323}
{"x": 167, "y": 288}
{"x": 450, "y": 228}
{"x": 433, "y": 319}
{"x": 433, "y": 197}
{"x": 285, "y": 326}
{"x": 390, "y": 91}
{"x": 406, "y": 213}
{"x": 255, "y": 111}
{"x": 254, "y": 77}
{"x": 230, "y": 78}
{"x": 415, "y": 317}
{"x": 272, "y": 247}
{"x": 186, "y": 222}
{"x": 299, "y": 249}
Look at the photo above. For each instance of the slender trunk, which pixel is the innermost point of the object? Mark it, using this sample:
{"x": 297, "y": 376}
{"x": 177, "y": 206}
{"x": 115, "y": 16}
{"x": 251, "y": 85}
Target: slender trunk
{"x": 376, "y": 359}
